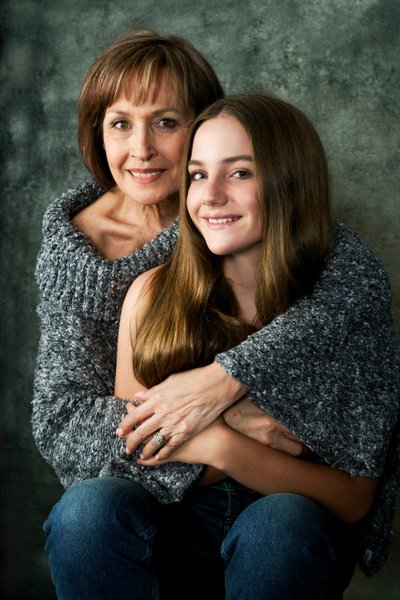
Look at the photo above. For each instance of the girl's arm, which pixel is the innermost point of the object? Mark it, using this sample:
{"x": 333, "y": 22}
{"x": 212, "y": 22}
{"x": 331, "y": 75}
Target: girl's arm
{"x": 126, "y": 384}
{"x": 269, "y": 471}
{"x": 326, "y": 369}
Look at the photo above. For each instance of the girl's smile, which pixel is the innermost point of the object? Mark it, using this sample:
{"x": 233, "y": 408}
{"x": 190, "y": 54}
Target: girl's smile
{"x": 223, "y": 195}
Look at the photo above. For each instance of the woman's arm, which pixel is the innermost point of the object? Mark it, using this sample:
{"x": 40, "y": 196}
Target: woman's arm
{"x": 269, "y": 471}
{"x": 310, "y": 368}
{"x": 74, "y": 411}
{"x": 247, "y": 418}
{"x": 243, "y": 416}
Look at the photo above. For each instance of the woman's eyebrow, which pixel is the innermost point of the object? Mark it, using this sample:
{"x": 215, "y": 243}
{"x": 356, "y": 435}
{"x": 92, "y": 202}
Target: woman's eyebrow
{"x": 166, "y": 109}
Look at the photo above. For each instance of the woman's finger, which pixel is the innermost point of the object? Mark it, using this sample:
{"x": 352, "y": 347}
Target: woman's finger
{"x": 289, "y": 445}
{"x": 134, "y": 417}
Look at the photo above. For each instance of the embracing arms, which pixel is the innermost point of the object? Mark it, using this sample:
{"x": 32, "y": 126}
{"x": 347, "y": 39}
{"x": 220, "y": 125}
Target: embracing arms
{"x": 243, "y": 416}
{"x": 327, "y": 369}
{"x": 231, "y": 453}
{"x": 269, "y": 471}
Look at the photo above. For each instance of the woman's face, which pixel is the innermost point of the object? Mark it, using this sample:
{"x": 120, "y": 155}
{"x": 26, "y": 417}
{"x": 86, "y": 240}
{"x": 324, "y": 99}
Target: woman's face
{"x": 144, "y": 146}
{"x": 223, "y": 194}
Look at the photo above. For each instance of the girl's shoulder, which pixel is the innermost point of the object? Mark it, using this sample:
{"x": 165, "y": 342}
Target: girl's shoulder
{"x": 137, "y": 293}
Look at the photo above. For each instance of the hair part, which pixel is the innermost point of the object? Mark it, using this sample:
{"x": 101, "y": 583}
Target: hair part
{"x": 134, "y": 66}
{"x": 297, "y": 231}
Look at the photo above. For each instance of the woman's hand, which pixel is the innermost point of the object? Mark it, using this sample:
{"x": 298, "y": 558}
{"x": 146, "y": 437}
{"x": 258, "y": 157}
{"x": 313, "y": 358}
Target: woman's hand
{"x": 200, "y": 449}
{"x": 179, "y": 408}
{"x": 249, "y": 419}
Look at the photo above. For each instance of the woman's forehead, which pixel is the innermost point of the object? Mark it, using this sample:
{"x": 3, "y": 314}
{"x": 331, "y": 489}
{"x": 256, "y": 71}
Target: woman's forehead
{"x": 159, "y": 87}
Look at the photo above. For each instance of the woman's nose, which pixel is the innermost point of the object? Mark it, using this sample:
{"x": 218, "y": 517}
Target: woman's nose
{"x": 142, "y": 146}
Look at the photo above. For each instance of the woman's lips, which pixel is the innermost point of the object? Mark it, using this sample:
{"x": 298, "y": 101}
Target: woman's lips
{"x": 146, "y": 175}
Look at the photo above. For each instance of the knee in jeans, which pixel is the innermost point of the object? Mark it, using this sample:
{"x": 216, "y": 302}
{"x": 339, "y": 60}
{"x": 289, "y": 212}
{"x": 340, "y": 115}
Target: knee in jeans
{"x": 100, "y": 510}
{"x": 80, "y": 511}
{"x": 285, "y": 523}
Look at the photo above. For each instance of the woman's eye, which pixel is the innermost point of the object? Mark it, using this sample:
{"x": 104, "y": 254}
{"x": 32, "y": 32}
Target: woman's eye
{"x": 120, "y": 124}
{"x": 166, "y": 123}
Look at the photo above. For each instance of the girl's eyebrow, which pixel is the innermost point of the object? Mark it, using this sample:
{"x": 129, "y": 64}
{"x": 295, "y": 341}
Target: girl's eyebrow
{"x": 229, "y": 159}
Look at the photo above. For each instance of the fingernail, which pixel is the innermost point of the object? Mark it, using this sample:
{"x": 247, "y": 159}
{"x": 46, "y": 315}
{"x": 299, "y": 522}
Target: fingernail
{"x": 119, "y": 432}
{"x": 128, "y": 452}
{"x": 139, "y": 394}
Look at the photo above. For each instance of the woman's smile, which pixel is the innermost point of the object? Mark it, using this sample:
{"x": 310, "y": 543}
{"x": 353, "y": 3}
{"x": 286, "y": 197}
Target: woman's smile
{"x": 146, "y": 176}
{"x": 144, "y": 145}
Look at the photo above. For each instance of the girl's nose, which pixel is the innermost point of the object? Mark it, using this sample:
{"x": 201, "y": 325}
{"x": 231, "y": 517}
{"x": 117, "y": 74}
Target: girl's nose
{"x": 214, "y": 194}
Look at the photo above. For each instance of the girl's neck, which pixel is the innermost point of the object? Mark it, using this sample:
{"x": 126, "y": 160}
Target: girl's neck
{"x": 242, "y": 274}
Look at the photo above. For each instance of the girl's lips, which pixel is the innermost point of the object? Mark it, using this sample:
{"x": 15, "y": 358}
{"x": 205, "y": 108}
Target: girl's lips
{"x": 221, "y": 220}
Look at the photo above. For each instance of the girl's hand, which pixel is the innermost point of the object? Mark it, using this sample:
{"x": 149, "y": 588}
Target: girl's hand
{"x": 179, "y": 408}
{"x": 249, "y": 419}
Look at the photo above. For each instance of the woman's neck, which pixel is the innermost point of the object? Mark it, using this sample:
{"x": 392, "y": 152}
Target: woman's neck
{"x": 117, "y": 225}
{"x": 122, "y": 208}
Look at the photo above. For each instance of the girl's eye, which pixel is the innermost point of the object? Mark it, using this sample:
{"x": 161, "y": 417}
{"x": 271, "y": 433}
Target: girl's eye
{"x": 166, "y": 123}
{"x": 197, "y": 175}
{"x": 242, "y": 174}
{"x": 120, "y": 124}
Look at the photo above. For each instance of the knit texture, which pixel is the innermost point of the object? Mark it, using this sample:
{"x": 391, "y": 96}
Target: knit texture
{"x": 344, "y": 405}
{"x": 74, "y": 412}
{"x": 329, "y": 369}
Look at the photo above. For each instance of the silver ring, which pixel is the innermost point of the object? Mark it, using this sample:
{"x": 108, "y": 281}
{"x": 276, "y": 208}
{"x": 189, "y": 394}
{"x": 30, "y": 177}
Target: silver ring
{"x": 159, "y": 439}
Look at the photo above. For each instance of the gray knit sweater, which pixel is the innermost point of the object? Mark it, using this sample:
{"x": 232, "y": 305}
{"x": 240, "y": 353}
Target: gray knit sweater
{"x": 344, "y": 404}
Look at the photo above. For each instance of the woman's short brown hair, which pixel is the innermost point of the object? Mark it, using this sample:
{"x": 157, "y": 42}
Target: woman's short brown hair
{"x": 133, "y": 65}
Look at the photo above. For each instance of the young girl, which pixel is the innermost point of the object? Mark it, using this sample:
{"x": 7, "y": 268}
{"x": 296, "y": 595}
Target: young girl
{"x": 256, "y": 231}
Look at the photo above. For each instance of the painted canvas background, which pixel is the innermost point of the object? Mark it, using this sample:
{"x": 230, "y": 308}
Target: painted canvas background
{"x": 336, "y": 59}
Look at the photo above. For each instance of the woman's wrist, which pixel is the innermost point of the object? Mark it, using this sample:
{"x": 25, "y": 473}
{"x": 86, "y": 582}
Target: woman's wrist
{"x": 228, "y": 390}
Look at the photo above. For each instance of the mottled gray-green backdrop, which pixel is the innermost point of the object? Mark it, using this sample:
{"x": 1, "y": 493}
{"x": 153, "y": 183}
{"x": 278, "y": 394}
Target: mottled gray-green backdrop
{"x": 337, "y": 59}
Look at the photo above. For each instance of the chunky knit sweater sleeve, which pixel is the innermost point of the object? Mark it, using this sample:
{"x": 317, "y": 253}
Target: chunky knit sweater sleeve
{"x": 74, "y": 412}
{"x": 328, "y": 368}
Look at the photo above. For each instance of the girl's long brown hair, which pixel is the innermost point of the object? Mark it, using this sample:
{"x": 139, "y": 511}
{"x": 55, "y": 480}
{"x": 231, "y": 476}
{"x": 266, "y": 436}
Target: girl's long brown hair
{"x": 191, "y": 313}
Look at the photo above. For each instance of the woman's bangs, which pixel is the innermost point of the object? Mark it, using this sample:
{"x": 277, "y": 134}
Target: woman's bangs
{"x": 143, "y": 84}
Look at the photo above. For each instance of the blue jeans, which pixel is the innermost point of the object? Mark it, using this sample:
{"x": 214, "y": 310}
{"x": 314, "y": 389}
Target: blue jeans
{"x": 107, "y": 538}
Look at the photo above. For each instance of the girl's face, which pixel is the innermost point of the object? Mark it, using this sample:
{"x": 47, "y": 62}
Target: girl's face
{"x": 144, "y": 146}
{"x": 223, "y": 194}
